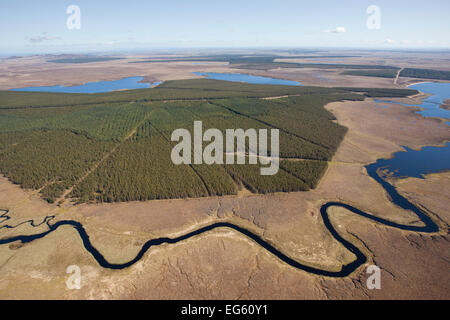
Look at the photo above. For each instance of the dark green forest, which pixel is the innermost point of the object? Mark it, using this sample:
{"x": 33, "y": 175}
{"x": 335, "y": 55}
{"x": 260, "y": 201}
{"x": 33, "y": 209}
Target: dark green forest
{"x": 425, "y": 74}
{"x": 407, "y": 72}
{"x": 116, "y": 146}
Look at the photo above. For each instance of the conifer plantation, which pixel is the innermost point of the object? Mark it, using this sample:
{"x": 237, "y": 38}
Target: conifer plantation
{"x": 116, "y": 146}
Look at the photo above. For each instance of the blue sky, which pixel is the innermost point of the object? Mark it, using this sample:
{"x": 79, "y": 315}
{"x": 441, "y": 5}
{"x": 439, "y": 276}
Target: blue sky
{"x": 39, "y": 26}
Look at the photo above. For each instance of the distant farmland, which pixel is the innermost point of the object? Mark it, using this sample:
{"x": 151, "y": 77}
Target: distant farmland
{"x": 116, "y": 146}
{"x": 79, "y": 60}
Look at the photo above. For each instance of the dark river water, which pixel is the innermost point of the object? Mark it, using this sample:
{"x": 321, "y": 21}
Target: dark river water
{"x": 428, "y": 227}
{"x": 439, "y": 92}
{"x": 409, "y": 163}
{"x": 412, "y": 163}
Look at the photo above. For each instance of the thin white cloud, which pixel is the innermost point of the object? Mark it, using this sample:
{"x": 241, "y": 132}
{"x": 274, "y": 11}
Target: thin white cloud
{"x": 42, "y": 38}
{"x": 336, "y": 30}
{"x": 390, "y": 41}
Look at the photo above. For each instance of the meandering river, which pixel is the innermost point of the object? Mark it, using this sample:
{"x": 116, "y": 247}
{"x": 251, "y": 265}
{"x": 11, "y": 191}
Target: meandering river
{"x": 428, "y": 227}
{"x": 399, "y": 165}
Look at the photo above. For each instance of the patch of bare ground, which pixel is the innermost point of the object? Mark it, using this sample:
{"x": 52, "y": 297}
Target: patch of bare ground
{"x": 224, "y": 264}
{"x": 446, "y": 105}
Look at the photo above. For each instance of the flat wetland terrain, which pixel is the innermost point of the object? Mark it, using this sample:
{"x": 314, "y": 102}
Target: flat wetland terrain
{"x": 104, "y": 160}
{"x": 318, "y": 69}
